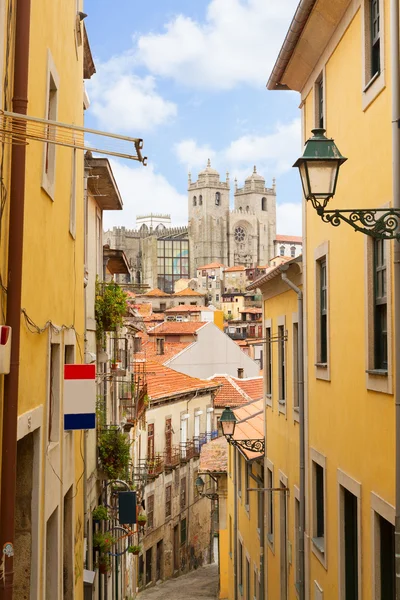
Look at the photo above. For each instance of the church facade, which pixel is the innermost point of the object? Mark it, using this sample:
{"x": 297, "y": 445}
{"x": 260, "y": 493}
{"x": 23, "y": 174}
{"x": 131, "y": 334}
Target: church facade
{"x": 160, "y": 255}
{"x": 242, "y": 236}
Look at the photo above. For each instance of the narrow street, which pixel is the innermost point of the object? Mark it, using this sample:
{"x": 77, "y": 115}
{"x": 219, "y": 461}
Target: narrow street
{"x": 202, "y": 583}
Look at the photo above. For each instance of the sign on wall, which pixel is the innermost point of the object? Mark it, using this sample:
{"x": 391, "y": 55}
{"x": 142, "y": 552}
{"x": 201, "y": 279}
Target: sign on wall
{"x": 79, "y": 397}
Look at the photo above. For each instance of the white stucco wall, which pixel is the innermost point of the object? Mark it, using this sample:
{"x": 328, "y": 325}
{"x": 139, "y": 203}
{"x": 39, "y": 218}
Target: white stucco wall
{"x": 214, "y": 352}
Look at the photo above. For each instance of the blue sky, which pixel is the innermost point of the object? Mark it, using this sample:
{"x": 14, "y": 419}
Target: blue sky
{"x": 189, "y": 78}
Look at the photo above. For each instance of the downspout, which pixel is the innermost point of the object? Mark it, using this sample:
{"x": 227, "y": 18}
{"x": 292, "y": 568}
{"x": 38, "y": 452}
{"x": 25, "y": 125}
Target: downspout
{"x": 235, "y": 520}
{"x": 394, "y": 43}
{"x": 14, "y": 293}
{"x": 300, "y": 368}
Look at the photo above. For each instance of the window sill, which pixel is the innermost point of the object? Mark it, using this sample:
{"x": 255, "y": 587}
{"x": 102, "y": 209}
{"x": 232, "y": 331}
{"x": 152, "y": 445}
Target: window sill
{"x": 321, "y": 365}
{"x": 371, "y": 81}
{"x": 377, "y": 372}
{"x": 319, "y": 543}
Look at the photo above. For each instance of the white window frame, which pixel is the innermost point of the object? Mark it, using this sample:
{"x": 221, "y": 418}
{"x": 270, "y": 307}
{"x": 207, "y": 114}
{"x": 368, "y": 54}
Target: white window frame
{"x": 354, "y": 487}
{"x": 375, "y": 381}
{"x": 379, "y": 508}
{"x": 321, "y": 553}
{"x": 49, "y": 177}
{"x": 322, "y": 370}
{"x": 372, "y": 87}
{"x": 72, "y": 206}
{"x": 295, "y": 367}
{"x": 282, "y": 385}
{"x": 268, "y": 355}
{"x": 270, "y": 497}
{"x": 321, "y": 77}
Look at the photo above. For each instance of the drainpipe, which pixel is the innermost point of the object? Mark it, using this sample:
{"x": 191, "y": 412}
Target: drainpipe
{"x": 394, "y": 43}
{"x": 235, "y": 528}
{"x": 300, "y": 368}
{"x": 15, "y": 250}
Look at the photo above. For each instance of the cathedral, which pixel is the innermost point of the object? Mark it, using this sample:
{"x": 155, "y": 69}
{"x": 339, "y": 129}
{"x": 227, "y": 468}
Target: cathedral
{"x": 159, "y": 255}
{"x": 242, "y": 236}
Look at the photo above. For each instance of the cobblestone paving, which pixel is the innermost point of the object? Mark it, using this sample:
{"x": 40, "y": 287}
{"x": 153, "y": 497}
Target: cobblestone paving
{"x": 200, "y": 584}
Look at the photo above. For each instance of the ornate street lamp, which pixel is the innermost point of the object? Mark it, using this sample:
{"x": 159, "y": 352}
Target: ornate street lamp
{"x": 319, "y": 169}
{"x": 200, "y": 488}
{"x": 228, "y": 422}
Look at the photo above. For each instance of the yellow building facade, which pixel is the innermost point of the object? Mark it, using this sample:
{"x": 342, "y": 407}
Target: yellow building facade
{"x": 340, "y": 63}
{"x": 245, "y": 509}
{"x": 281, "y": 477}
{"x": 49, "y": 521}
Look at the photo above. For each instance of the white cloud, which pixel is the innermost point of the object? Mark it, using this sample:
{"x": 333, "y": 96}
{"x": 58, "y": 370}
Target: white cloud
{"x": 238, "y": 42}
{"x": 143, "y": 190}
{"x": 289, "y": 218}
{"x": 192, "y": 155}
{"x": 273, "y": 153}
{"x": 125, "y": 102}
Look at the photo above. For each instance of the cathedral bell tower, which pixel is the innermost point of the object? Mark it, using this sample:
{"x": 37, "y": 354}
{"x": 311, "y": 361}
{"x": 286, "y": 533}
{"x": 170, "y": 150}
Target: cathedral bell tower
{"x": 208, "y": 203}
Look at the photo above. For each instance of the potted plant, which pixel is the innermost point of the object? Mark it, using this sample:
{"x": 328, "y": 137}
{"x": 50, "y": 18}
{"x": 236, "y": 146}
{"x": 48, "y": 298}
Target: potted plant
{"x": 103, "y": 541}
{"x": 134, "y": 549}
{"x": 110, "y": 307}
{"x": 104, "y": 564}
{"x": 114, "y": 453}
{"x": 142, "y": 520}
{"x": 100, "y": 513}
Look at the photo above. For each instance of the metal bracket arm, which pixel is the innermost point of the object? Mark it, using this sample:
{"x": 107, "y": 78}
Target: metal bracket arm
{"x": 381, "y": 223}
{"x": 251, "y": 445}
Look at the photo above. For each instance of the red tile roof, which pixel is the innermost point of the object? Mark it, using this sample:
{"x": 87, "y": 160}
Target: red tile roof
{"x": 187, "y": 308}
{"x": 235, "y": 392}
{"x": 214, "y": 265}
{"x": 163, "y": 382}
{"x": 252, "y": 386}
{"x": 171, "y": 349}
{"x": 252, "y": 310}
{"x": 188, "y": 292}
{"x": 296, "y": 239}
{"x": 237, "y": 268}
{"x": 157, "y": 293}
{"x": 145, "y": 309}
{"x": 214, "y": 456}
{"x": 177, "y": 328}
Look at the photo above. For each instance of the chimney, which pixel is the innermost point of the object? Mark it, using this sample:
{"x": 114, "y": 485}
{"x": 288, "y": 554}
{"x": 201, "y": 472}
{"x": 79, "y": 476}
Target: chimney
{"x": 160, "y": 346}
{"x": 240, "y": 373}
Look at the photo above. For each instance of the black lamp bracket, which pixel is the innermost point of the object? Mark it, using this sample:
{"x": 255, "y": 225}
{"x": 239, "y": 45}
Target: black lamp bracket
{"x": 380, "y": 223}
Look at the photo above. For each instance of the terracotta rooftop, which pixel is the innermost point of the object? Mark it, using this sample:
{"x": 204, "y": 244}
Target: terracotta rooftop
{"x": 157, "y": 293}
{"x": 188, "y": 292}
{"x": 153, "y": 317}
{"x": 144, "y": 309}
{"x": 171, "y": 349}
{"x": 250, "y": 425}
{"x": 235, "y": 391}
{"x": 188, "y": 308}
{"x": 237, "y": 268}
{"x": 214, "y": 265}
{"x": 214, "y": 456}
{"x": 252, "y": 310}
{"x": 252, "y": 386}
{"x": 163, "y": 382}
{"x": 177, "y": 328}
{"x": 272, "y": 272}
{"x": 297, "y": 239}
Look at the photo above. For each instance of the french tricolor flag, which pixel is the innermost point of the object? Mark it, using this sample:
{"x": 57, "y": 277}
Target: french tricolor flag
{"x": 79, "y": 397}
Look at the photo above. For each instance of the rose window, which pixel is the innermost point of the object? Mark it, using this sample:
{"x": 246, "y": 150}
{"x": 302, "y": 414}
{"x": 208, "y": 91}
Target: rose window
{"x": 240, "y": 234}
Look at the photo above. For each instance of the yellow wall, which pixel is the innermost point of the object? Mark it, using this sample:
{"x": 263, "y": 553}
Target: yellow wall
{"x": 350, "y": 425}
{"x": 247, "y": 524}
{"x": 282, "y": 429}
{"x": 219, "y": 319}
{"x": 52, "y": 288}
{"x": 234, "y": 307}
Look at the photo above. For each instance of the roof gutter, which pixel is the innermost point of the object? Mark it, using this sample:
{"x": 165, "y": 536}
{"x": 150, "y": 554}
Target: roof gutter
{"x": 296, "y": 28}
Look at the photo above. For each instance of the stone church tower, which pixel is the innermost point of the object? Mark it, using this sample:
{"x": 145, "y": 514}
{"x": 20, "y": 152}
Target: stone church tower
{"x": 208, "y": 219}
{"x": 252, "y": 225}
{"x": 244, "y": 236}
